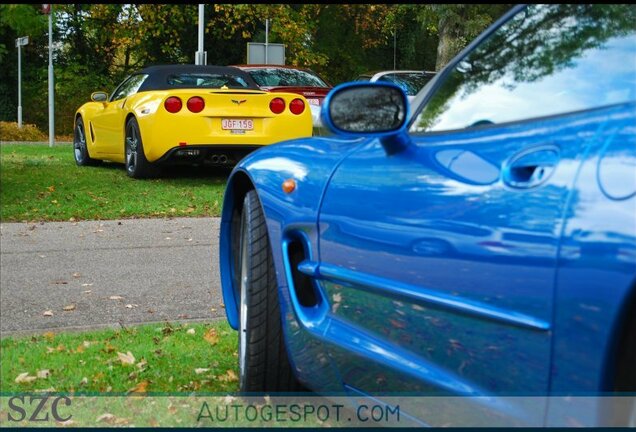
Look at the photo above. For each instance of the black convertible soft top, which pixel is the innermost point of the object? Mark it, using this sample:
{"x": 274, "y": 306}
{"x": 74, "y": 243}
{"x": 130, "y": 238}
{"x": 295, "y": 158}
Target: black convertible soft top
{"x": 161, "y": 77}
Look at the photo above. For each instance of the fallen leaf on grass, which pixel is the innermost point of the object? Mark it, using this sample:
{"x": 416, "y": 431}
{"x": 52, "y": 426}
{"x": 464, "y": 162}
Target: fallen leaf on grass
{"x": 126, "y": 359}
{"x": 229, "y": 376}
{"x": 191, "y": 331}
{"x": 84, "y": 381}
{"x": 106, "y": 417}
{"x": 199, "y": 371}
{"x": 49, "y": 336}
{"x": 69, "y": 308}
{"x": 24, "y": 377}
{"x": 69, "y": 422}
{"x": 142, "y": 387}
{"x": 59, "y": 348}
{"x": 51, "y": 188}
{"x": 44, "y": 373}
{"x": 211, "y": 336}
{"x": 142, "y": 365}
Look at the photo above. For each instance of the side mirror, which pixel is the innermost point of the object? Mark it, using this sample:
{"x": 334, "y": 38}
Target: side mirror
{"x": 361, "y": 109}
{"x": 99, "y": 96}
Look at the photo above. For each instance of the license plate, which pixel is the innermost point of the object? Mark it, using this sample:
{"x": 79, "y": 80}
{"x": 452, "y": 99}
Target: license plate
{"x": 313, "y": 101}
{"x": 237, "y": 124}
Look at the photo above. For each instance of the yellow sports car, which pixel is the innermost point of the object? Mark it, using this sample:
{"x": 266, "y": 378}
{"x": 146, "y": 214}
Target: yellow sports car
{"x": 185, "y": 114}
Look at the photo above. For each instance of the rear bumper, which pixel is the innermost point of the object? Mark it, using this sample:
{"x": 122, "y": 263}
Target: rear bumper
{"x": 212, "y": 154}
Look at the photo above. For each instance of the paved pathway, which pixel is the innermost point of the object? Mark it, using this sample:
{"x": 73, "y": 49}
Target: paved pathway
{"x": 113, "y": 273}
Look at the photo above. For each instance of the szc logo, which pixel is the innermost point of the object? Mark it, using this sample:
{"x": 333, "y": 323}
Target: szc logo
{"x": 36, "y": 408}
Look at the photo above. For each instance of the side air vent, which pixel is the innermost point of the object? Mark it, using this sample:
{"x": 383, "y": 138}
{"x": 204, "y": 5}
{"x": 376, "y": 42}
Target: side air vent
{"x": 303, "y": 285}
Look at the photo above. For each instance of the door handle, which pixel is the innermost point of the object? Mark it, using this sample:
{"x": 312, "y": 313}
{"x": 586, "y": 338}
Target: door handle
{"x": 532, "y": 167}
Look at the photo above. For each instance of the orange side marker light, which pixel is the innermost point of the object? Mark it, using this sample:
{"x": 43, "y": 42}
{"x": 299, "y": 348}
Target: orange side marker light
{"x": 289, "y": 186}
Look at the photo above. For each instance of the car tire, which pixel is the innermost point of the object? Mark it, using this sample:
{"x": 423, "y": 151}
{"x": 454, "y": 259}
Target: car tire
{"x": 263, "y": 362}
{"x": 80, "y": 148}
{"x": 137, "y": 166}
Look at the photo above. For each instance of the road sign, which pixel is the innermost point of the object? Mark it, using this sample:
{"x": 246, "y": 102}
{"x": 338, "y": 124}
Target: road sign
{"x": 256, "y": 53}
{"x": 22, "y": 41}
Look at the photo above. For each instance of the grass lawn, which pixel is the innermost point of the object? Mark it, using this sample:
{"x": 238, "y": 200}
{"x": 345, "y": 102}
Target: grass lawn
{"x": 168, "y": 358}
{"x": 40, "y": 183}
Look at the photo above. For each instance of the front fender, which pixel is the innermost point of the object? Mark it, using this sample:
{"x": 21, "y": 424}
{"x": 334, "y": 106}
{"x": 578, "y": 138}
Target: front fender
{"x": 87, "y": 112}
{"x": 310, "y": 162}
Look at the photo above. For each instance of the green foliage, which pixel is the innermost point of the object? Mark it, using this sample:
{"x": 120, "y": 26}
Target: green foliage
{"x": 97, "y": 45}
{"x": 456, "y": 24}
{"x": 19, "y": 20}
{"x": 73, "y": 87}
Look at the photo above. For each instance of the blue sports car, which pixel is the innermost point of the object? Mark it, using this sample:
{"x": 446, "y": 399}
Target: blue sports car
{"x": 483, "y": 244}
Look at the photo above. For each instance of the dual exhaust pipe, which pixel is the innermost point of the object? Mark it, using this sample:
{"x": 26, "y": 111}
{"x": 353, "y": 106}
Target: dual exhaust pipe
{"x": 219, "y": 159}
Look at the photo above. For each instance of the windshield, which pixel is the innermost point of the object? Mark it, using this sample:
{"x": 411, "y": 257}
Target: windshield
{"x": 272, "y": 77}
{"x": 411, "y": 83}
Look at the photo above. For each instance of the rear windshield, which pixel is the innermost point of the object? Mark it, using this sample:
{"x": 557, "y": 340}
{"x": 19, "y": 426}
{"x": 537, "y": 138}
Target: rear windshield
{"x": 206, "y": 80}
{"x": 272, "y": 77}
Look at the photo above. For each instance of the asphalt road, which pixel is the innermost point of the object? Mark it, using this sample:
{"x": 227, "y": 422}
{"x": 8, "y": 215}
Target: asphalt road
{"x": 108, "y": 273}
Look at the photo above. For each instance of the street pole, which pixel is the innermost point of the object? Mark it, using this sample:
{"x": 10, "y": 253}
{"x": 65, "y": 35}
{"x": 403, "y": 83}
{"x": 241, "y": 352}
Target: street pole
{"x": 200, "y": 57}
{"x": 19, "y": 87}
{"x": 266, "y": 40}
{"x": 394, "y": 49}
{"x": 19, "y": 43}
{"x": 51, "y": 88}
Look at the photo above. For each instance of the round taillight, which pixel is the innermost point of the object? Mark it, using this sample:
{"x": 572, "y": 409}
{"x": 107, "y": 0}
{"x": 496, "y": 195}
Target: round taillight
{"x": 173, "y": 104}
{"x": 196, "y": 104}
{"x": 277, "y": 105}
{"x": 297, "y": 106}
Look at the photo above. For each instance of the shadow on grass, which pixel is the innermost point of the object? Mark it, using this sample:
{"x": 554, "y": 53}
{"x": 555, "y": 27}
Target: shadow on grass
{"x": 176, "y": 171}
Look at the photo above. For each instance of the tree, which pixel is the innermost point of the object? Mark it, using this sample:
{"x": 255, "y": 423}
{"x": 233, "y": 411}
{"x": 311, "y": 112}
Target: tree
{"x": 17, "y": 20}
{"x": 456, "y": 24}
